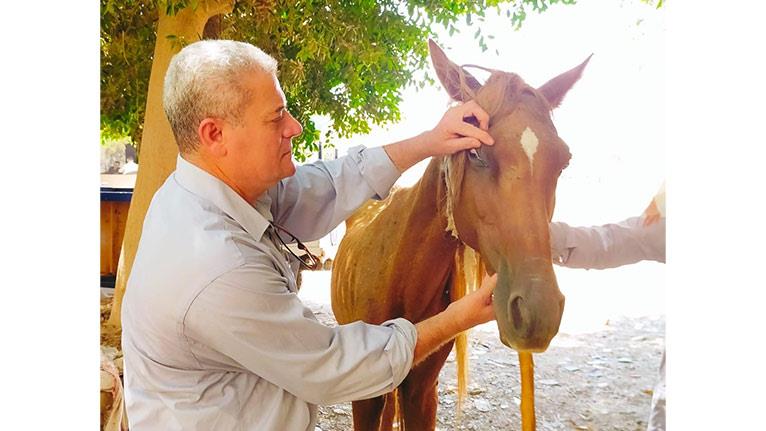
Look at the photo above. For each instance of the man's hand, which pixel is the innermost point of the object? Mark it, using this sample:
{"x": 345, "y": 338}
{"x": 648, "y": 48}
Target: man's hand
{"x": 651, "y": 214}
{"x": 451, "y": 135}
{"x": 476, "y": 307}
{"x": 454, "y": 133}
{"x": 461, "y": 315}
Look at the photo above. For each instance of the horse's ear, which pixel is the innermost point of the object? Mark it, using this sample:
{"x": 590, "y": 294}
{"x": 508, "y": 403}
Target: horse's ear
{"x": 555, "y": 89}
{"x": 449, "y": 74}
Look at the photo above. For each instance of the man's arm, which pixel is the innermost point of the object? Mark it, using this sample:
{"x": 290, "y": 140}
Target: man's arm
{"x": 249, "y": 316}
{"x": 452, "y": 134}
{"x": 607, "y": 246}
{"x": 267, "y": 330}
{"x": 321, "y": 195}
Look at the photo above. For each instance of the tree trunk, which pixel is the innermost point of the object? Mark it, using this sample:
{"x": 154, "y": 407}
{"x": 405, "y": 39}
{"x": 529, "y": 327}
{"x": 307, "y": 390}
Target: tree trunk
{"x": 158, "y": 147}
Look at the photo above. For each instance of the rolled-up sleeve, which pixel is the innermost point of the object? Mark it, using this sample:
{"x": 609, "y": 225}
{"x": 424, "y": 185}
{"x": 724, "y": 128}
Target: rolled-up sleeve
{"x": 607, "y": 246}
{"x": 248, "y": 315}
{"x": 322, "y": 194}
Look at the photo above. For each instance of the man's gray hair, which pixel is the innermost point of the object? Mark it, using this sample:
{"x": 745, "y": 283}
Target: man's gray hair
{"x": 205, "y": 80}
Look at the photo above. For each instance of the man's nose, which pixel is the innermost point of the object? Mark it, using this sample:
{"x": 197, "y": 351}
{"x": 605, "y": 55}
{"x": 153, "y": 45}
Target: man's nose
{"x": 295, "y": 128}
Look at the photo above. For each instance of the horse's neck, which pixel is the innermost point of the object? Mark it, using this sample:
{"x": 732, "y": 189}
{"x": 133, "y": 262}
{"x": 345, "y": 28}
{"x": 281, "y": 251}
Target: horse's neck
{"x": 426, "y": 223}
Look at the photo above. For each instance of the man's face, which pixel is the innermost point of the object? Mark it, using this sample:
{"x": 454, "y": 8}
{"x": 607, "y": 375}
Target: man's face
{"x": 259, "y": 148}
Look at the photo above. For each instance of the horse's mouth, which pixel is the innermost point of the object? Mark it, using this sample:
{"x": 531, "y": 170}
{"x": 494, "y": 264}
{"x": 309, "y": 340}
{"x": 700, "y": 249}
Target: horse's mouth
{"x": 523, "y": 348}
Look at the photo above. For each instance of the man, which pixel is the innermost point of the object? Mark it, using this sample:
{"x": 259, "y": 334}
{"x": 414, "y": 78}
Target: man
{"x": 613, "y": 245}
{"x": 214, "y": 336}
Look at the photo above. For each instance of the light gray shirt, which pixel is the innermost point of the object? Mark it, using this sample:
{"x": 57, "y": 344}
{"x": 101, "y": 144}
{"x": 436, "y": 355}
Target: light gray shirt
{"x": 608, "y": 246}
{"x": 213, "y": 334}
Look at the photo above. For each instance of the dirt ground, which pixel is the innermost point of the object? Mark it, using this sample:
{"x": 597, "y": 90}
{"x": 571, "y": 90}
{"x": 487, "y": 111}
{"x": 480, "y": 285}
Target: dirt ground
{"x": 593, "y": 381}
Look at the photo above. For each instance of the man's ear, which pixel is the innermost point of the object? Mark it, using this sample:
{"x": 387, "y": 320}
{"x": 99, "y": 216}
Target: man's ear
{"x": 210, "y": 133}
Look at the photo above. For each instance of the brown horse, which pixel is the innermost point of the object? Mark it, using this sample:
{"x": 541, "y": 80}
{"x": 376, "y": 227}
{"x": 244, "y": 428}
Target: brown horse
{"x": 401, "y": 257}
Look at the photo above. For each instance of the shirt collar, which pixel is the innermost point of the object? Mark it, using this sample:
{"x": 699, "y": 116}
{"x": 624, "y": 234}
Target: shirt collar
{"x": 253, "y": 218}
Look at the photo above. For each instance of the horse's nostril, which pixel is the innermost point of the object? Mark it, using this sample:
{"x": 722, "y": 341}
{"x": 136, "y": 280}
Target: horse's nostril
{"x": 515, "y": 312}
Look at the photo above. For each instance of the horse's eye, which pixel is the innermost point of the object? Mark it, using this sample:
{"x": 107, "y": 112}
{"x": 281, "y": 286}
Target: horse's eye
{"x": 473, "y": 154}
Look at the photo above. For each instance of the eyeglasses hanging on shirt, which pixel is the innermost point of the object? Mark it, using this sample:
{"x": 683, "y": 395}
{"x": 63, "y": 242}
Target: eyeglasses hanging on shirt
{"x": 308, "y": 260}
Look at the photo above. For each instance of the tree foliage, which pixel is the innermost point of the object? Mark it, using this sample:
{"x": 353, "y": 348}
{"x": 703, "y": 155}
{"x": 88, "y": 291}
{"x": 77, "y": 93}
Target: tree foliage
{"x": 346, "y": 59}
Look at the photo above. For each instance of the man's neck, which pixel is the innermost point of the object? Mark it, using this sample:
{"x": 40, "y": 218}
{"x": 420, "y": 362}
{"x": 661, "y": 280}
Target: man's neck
{"x": 211, "y": 167}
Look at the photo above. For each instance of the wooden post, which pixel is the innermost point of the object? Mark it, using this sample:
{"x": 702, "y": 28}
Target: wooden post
{"x": 158, "y": 147}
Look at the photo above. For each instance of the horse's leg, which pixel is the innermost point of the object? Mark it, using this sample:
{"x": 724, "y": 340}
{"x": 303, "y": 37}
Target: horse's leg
{"x": 418, "y": 392}
{"x": 367, "y": 413}
{"x": 387, "y": 421}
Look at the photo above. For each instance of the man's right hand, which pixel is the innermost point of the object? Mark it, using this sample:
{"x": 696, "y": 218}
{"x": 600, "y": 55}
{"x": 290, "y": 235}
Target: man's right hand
{"x": 454, "y": 133}
{"x": 476, "y": 307}
{"x": 461, "y": 315}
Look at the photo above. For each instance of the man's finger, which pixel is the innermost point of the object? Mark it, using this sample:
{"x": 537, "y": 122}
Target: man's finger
{"x": 473, "y": 108}
{"x": 468, "y": 130}
{"x": 464, "y": 143}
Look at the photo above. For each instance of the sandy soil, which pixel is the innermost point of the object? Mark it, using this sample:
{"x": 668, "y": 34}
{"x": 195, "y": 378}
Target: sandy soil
{"x": 593, "y": 381}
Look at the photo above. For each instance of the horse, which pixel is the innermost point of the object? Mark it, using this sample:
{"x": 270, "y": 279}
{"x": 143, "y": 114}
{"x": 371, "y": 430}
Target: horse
{"x": 408, "y": 255}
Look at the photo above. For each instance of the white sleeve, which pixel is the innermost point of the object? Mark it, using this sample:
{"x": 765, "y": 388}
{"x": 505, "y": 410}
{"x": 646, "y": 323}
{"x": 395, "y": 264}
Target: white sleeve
{"x": 321, "y": 195}
{"x": 250, "y": 316}
{"x": 607, "y": 246}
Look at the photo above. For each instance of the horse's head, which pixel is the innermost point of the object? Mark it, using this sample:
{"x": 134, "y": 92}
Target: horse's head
{"x": 500, "y": 198}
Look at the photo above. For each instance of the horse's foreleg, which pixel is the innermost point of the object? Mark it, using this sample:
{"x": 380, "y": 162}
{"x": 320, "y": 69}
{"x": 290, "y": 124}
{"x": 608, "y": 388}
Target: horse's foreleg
{"x": 418, "y": 392}
{"x": 367, "y": 414}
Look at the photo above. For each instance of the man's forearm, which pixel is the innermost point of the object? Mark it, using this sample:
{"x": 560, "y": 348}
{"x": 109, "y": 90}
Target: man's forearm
{"x": 435, "y": 331}
{"x": 404, "y": 154}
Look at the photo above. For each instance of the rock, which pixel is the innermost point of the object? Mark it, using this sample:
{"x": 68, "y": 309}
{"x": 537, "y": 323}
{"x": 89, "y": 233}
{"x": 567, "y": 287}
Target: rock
{"x": 119, "y": 364}
{"x": 110, "y": 352}
{"x": 571, "y": 368}
{"x": 107, "y": 382}
{"x": 501, "y": 362}
{"x": 625, "y": 360}
{"x": 475, "y": 390}
{"x": 482, "y": 405}
{"x": 340, "y": 412}
{"x": 548, "y": 382}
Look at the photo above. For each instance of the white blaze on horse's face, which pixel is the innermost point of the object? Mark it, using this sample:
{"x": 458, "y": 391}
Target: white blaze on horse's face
{"x": 529, "y": 142}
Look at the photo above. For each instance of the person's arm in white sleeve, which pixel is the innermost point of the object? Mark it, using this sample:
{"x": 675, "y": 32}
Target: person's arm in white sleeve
{"x": 607, "y": 246}
{"x": 268, "y": 331}
{"x": 321, "y": 195}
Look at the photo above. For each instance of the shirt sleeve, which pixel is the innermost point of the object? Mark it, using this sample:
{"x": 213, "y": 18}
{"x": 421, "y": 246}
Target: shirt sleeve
{"x": 607, "y": 246}
{"x": 249, "y": 316}
{"x": 322, "y": 194}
